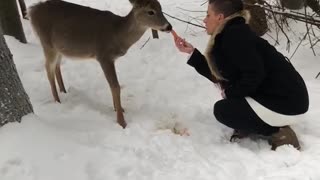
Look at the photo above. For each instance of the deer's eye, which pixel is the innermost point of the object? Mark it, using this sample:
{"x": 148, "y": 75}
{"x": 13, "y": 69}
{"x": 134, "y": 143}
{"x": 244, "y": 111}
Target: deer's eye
{"x": 151, "y": 13}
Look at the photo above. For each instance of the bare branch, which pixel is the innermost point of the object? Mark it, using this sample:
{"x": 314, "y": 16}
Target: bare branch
{"x": 290, "y": 14}
{"x": 281, "y": 28}
{"x": 204, "y": 3}
{"x": 198, "y": 11}
{"x": 184, "y": 21}
{"x": 145, "y": 43}
{"x": 304, "y": 37}
{"x": 308, "y": 30}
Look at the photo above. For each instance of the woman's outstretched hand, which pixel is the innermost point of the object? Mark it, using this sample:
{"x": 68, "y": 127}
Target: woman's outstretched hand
{"x": 181, "y": 44}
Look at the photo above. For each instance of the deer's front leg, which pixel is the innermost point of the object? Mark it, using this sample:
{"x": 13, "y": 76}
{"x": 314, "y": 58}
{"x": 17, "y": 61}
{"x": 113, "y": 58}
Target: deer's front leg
{"x": 110, "y": 73}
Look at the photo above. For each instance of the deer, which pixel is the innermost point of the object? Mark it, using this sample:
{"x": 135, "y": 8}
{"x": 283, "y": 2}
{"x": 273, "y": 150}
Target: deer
{"x": 76, "y": 31}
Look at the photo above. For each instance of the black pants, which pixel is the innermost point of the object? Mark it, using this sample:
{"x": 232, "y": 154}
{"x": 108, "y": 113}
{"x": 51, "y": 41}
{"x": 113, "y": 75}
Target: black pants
{"x": 237, "y": 114}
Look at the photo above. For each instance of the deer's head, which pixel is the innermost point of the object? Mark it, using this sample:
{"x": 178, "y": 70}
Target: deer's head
{"x": 148, "y": 13}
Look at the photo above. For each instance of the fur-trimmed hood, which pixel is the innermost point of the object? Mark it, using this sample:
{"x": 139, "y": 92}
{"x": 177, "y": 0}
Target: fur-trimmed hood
{"x": 208, "y": 53}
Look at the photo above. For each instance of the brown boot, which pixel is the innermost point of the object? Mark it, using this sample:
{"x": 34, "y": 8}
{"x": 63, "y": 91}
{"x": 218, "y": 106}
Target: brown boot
{"x": 285, "y": 135}
{"x": 238, "y": 134}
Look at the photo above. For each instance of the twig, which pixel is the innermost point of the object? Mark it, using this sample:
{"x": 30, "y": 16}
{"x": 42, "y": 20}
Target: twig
{"x": 145, "y": 43}
{"x": 204, "y": 3}
{"x": 184, "y": 21}
{"x": 318, "y": 40}
{"x": 193, "y": 18}
{"x": 308, "y": 31}
{"x": 304, "y": 37}
{"x": 275, "y": 19}
{"x": 291, "y": 15}
{"x": 191, "y": 10}
{"x": 275, "y": 40}
{"x": 313, "y": 33}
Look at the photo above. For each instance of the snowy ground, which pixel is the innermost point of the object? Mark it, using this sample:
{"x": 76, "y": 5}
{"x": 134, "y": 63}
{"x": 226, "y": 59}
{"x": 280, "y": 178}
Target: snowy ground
{"x": 80, "y": 140}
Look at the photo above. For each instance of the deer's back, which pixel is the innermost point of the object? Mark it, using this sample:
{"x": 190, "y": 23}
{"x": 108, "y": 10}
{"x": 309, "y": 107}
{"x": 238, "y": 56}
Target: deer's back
{"x": 73, "y": 29}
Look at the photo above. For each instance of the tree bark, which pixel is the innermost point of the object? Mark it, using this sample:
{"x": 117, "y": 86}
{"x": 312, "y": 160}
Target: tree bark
{"x": 10, "y": 20}
{"x": 258, "y": 21}
{"x": 14, "y": 101}
{"x": 23, "y": 9}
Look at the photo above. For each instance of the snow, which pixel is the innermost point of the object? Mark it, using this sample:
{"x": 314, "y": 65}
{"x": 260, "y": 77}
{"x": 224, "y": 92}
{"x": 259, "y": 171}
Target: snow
{"x": 80, "y": 139}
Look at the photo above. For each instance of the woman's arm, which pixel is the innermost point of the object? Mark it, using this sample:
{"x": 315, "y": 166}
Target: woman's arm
{"x": 198, "y": 61}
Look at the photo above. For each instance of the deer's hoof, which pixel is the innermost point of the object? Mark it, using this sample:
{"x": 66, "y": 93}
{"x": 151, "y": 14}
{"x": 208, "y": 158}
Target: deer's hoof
{"x": 120, "y": 120}
{"x": 123, "y": 124}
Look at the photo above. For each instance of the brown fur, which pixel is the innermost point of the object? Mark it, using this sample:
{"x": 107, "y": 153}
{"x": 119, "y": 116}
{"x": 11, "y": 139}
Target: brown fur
{"x": 82, "y": 32}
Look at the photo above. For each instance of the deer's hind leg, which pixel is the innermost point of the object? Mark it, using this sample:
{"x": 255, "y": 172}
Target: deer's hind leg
{"x": 59, "y": 75}
{"x": 51, "y": 56}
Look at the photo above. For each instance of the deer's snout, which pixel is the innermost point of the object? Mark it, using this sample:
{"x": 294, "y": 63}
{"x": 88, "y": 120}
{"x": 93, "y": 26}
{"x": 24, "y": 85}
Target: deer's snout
{"x": 167, "y": 28}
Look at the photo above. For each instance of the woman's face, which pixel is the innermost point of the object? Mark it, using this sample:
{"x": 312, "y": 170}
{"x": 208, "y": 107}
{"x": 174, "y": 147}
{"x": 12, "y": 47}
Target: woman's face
{"x": 213, "y": 19}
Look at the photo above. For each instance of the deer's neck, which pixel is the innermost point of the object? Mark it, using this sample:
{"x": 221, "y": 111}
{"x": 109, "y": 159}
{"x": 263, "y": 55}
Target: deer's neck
{"x": 132, "y": 30}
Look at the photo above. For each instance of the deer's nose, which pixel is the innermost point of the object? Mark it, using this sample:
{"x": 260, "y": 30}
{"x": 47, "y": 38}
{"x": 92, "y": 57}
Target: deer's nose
{"x": 167, "y": 28}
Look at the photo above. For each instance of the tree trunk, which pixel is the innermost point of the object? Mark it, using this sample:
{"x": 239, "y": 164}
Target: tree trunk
{"x": 155, "y": 34}
{"x": 14, "y": 101}
{"x": 258, "y": 21}
{"x": 23, "y": 9}
{"x": 10, "y": 20}
{"x": 314, "y": 5}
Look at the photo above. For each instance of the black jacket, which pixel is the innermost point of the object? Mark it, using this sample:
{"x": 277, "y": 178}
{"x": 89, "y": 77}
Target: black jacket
{"x": 254, "y": 68}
